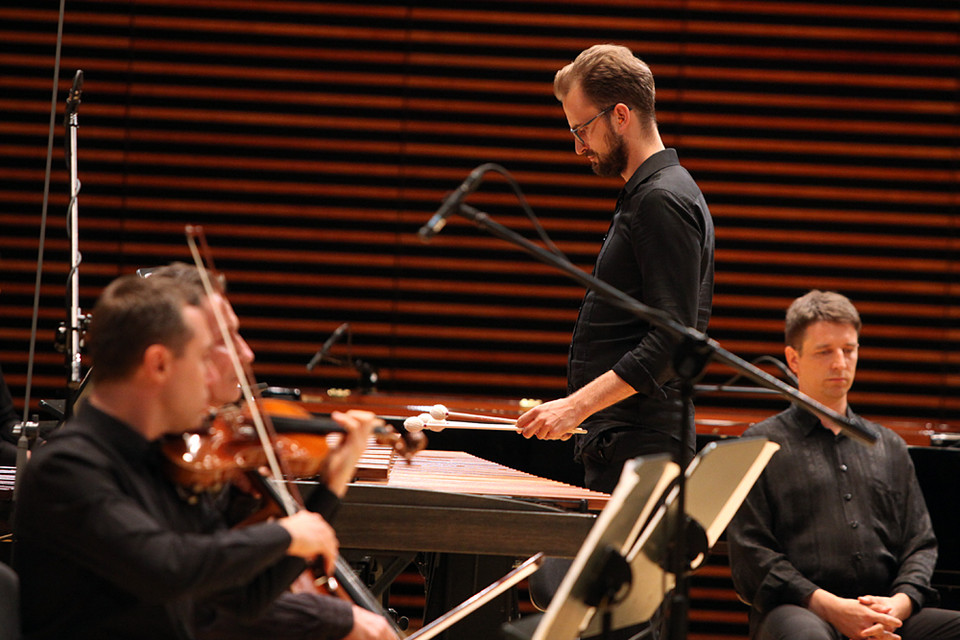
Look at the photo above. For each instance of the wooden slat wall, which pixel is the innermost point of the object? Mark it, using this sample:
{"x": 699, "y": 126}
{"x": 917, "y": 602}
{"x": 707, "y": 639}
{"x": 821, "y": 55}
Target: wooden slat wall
{"x": 312, "y": 139}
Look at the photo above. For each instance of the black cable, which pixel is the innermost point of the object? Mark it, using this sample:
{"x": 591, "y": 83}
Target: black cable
{"x": 43, "y": 213}
{"x": 541, "y": 232}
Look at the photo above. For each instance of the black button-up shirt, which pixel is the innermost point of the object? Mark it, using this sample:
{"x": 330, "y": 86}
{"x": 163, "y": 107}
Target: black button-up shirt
{"x": 8, "y": 418}
{"x": 829, "y": 512}
{"x": 107, "y": 548}
{"x": 658, "y": 250}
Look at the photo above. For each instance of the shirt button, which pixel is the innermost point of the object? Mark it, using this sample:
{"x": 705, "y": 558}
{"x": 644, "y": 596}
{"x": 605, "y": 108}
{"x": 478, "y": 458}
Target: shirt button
{"x": 843, "y": 467}
{"x": 848, "y": 496}
{"x": 858, "y": 555}
{"x": 854, "y": 524}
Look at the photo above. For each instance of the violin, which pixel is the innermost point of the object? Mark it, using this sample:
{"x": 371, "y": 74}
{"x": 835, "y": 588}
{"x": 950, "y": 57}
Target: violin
{"x": 227, "y": 446}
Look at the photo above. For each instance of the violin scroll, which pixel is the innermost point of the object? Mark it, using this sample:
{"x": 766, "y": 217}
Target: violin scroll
{"x": 406, "y": 444}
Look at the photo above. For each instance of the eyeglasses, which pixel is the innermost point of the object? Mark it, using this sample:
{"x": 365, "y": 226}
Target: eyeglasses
{"x": 576, "y": 130}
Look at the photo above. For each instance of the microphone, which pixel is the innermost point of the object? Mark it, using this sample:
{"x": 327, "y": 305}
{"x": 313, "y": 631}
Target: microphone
{"x": 73, "y": 98}
{"x": 322, "y": 353}
{"x": 369, "y": 374}
{"x": 452, "y": 203}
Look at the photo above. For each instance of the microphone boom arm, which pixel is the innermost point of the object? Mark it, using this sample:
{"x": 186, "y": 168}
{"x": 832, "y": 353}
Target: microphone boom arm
{"x": 698, "y": 349}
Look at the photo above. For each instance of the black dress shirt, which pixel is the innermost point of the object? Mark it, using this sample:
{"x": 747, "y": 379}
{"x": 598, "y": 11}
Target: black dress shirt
{"x": 107, "y": 548}
{"x": 8, "y": 418}
{"x": 658, "y": 250}
{"x": 829, "y": 512}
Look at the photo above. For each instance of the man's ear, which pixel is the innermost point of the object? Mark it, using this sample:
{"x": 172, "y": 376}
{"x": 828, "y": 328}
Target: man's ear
{"x": 622, "y": 114}
{"x": 156, "y": 362}
{"x": 793, "y": 358}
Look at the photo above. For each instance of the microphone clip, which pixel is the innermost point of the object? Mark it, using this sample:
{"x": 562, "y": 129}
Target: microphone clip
{"x": 453, "y": 201}
{"x": 73, "y": 97}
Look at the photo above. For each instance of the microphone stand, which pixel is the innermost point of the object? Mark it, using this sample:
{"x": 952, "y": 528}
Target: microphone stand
{"x": 692, "y": 353}
{"x": 369, "y": 375}
{"x": 729, "y": 387}
{"x": 74, "y": 317}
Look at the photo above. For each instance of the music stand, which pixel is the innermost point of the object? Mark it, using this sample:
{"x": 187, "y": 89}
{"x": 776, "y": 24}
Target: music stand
{"x": 631, "y": 504}
{"x": 481, "y": 598}
{"x": 717, "y": 482}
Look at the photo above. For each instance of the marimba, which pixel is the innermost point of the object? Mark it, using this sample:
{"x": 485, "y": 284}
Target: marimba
{"x": 469, "y": 518}
{"x": 453, "y": 502}
{"x": 8, "y": 477}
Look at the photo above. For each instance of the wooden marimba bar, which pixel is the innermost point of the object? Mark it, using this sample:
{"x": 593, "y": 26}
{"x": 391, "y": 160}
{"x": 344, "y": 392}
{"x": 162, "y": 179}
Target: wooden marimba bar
{"x": 459, "y": 472}
{"x": 375, "y": 463}
{"x": 8, "y": 477}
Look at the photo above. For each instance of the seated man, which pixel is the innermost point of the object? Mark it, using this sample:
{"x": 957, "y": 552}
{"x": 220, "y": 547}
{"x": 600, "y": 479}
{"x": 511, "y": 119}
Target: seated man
{"x": 834, "y": 540}
{"x": 291, "y": 615}
{"x": 107, "y": 546}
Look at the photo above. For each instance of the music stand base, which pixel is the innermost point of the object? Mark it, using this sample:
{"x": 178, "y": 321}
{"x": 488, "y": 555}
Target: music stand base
{"x": 523, "y": 628}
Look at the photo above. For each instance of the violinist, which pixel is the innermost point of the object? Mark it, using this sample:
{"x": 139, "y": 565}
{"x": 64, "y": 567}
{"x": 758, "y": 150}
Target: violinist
{"x": 291, "y": 615}
{"x": 341, "y": 462}
{"x": 106, "y": 545}
{"x": 8, "y": 418}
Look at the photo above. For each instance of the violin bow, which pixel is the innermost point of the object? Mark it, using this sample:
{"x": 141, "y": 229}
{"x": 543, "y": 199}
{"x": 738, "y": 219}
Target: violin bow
{"x": 290, "y": 504}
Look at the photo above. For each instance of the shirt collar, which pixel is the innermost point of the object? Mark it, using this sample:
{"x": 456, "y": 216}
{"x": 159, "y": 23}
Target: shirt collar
{"x": 809, "y": 422}
{"x": 653, "y": 164}
{"x": 117, "y": 434}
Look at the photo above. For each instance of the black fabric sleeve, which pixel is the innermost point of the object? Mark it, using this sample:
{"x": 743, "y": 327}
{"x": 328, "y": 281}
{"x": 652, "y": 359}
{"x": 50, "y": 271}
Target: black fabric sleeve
{"x": 667, "y": 246}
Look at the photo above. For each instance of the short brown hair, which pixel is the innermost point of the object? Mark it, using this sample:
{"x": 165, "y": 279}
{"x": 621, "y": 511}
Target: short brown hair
{"x": 131, "y": 314}
{"x": 816, "y": 306}
{"x": 609, "y": 74}
{"x": 187, "y": 276}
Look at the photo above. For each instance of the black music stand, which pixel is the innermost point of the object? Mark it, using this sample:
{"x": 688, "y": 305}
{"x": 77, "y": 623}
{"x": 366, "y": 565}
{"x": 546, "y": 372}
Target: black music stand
{"x": 632, "y": 535}
{"x": 478, "y": 600}
{"x": 633, "y": 501}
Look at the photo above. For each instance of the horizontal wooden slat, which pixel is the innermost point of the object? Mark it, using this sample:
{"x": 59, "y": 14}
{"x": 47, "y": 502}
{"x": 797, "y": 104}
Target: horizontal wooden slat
{"x": 312, "y": 139}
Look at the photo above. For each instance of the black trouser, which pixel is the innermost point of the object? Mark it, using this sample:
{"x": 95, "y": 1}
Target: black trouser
{"x": 792, "y": 622}
{"x": 603, "y": 459}
{"x": 292, "y": 616}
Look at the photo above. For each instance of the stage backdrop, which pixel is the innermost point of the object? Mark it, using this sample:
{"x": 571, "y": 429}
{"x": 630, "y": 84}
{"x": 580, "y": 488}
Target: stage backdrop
{"x": 312, "y": 139}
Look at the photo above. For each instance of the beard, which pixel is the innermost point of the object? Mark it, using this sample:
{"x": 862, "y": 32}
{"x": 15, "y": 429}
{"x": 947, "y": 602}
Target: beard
{"x": 613, "y": 163}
